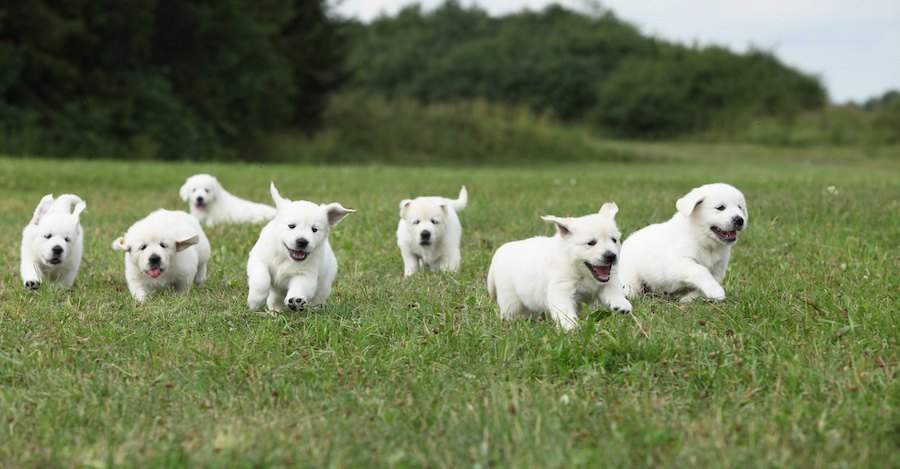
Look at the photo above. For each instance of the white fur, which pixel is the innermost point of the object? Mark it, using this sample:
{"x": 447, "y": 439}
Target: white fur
{"x": 683, "y": 256}
{"x": 436, "y": 216}
{"x": 53, "y": 226}
{"x": 220, "y": 206}
{"x": 275, "y": 277}
{"x": 549, "y": 275}
{"x": 181, "y": 245}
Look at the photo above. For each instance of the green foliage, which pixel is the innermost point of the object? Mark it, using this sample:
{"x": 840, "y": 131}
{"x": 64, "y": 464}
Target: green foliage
{"x": 359, "y": 128}
{"x": 797, "y": 368}
{"x": 161, "y": 78}
{"x": 591, "y": 68}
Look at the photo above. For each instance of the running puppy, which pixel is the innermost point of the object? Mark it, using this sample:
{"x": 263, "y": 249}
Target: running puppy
{"x": 555, "y": 275}
{"x": 52, "y": 243}
{"x": 213, "y": 205}
{"x": 165, "y": 249}
{"x": 292, "y": 263}
{"x": 429, "y": 232}
{"x": 688, "y": 254}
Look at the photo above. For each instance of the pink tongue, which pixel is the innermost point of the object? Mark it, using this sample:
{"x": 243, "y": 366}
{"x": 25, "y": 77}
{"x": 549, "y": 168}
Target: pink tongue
{"x": 201, "y": 206}
{"x": 731, "y": 234}
{"x": 154, "y": 272}
{"x": 603, "y": 270}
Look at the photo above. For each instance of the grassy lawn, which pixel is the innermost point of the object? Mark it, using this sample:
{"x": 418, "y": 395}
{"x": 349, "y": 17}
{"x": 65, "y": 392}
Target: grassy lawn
{"x": 798, "y": 367}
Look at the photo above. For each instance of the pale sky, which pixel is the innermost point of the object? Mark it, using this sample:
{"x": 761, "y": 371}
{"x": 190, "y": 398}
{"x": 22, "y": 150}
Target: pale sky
{"x": 853, "y": 45}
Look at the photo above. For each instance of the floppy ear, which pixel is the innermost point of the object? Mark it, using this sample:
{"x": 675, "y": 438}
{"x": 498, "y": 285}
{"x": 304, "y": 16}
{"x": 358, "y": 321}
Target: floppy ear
{"x": 404, "y": 207}
{"x": 561, "y": 224}
{"x": 42, "y": 209}
{"x": 79, "y": 208}
{"x": 279, "y": 200}
{"x": 609, "y": 209}
{"x": 185, "y": 191}
{"x": 186, "y": 243}
{"x": 336, "y": 212}
{"x": 119, "y": 245}
{"x": 689, "y": 202}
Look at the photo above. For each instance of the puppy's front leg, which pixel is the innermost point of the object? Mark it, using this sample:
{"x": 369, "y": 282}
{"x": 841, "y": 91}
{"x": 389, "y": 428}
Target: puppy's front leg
{"x": 30, "y": 275}
{"x": 450, "y": 262}
{"x": 613, "y": 296}
{"x": 300, "y": 289}
{"x": 697, "y": 276}
{"x": 410, "y": 262}
{"x": 139, "y": 293}
{"x": 563, "y": 309}
{"x": 259, "y": 281}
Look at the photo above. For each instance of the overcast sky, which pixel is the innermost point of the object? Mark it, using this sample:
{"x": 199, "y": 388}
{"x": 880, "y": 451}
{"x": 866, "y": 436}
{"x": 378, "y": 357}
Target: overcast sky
{"x": 854, "y": 45}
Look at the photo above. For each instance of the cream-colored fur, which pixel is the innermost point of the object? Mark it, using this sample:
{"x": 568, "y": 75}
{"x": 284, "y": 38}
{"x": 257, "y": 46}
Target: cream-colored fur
{"x": 52, "y": 243}
{"x": 213, "y": 205}
{"x": 429, "y": 233}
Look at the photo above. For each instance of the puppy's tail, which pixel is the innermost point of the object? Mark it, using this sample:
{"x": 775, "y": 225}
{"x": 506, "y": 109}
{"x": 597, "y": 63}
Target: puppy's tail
{"x": 460, "y": 203}
{"x": 64, "y": 203}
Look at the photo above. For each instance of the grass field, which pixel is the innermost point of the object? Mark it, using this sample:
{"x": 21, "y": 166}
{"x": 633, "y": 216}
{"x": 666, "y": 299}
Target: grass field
{"x": 798, "y": 367}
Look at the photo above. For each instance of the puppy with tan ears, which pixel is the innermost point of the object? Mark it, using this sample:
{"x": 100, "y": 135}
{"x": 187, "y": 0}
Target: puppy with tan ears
{"x": 167, "y": 249}
{"x": 429, "y": 233}
{"x": 292, "y": 264}
{"x": 52, "y": 243}
{"x": 213, "y": 205}
{"x": 687, "y": 255}
{"x": 556, "y": 275}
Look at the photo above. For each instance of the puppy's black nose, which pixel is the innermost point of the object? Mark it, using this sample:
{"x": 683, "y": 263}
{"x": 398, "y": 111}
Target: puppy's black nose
{"x": 302, "y": 243}
{"x": 57, "y": 250}
{"x": 425, "y": 235}
{"x": 199, "y": 200}
{"x": 738, "y": 222}
{"x": 610, "y": 257}
{"x": 154, "y": 259}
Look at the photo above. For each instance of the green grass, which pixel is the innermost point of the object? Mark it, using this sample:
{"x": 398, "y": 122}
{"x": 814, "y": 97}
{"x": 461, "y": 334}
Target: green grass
{"x": 799, "y": 366}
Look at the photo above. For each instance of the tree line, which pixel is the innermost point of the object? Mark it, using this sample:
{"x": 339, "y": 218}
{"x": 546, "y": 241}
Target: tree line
{"x": 173, "y": 79}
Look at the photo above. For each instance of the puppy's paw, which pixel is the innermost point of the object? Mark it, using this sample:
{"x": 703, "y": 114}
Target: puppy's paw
{"x": 566, "y": 324}
{"x": 33, "y": 284}
{"x": 689, "y": 297}
{"x": 296, "y": 304}
{"x": 716, "y": 293}
{"x": 620, "y": 306}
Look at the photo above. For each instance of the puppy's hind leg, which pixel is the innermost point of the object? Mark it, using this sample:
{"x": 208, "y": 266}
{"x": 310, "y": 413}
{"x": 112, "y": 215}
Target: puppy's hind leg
{"x": 563, "y": 308}
{"x": 698, "y": 277}
{"x": 200, "y": 277}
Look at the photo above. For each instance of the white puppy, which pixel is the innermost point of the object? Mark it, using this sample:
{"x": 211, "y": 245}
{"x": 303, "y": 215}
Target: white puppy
{"x": 292, "y": 263}
{"x": 213, "y": 205}
{"x": 52, "y": 242}
{"x": 429, "y": 232}
{"x": 688, "y": 254}
{"x": 556, "y": 275}
{"x": 165, "y": 249}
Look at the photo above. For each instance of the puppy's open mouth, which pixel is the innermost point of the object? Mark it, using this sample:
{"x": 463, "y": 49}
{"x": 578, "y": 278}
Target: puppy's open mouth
{"x": 154, "y": 272}
{"x": 200, "y": 206}
{"x": 54, "y": 261}
{"x": 600, "y": 272}
{"x": 297, "y": 254}
{"x": 724, "y": 236}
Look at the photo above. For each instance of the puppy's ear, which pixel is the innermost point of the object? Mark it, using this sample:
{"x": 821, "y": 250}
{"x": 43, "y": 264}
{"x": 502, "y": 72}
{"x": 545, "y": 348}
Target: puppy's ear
{"x": 185, "y": 191}
{"x": 561, "y": 224}
{"x": 42, "y": 209}
{"x": 79, "y": 208}
{"x": 119, "y": 245}
{"x": 609, "y": 209}
{"x": 336, "y": 212}
{"x": 279, "y": 200}
{"x": 186, "y": 243}
{"x": 689, "y": 202}
{"x": 404, "y": 207}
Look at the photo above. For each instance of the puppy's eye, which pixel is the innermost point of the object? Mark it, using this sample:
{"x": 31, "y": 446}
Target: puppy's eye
{"x": 615, "y": 240}
{"x": 720, "y": 208}
{"x": 292, "y": 226}
{"x": 48, "y": 235}
{"x": 68, "y": 240}
{"x": 163, "y": 245}
{"x": 207, "y": 190}
{"x": 434, "y": 221}
{"x": 592, "y": 242}
{"x": 314, "y": 229}
{"x": 416, "y": 222}
{"x": 143, "y": 246}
